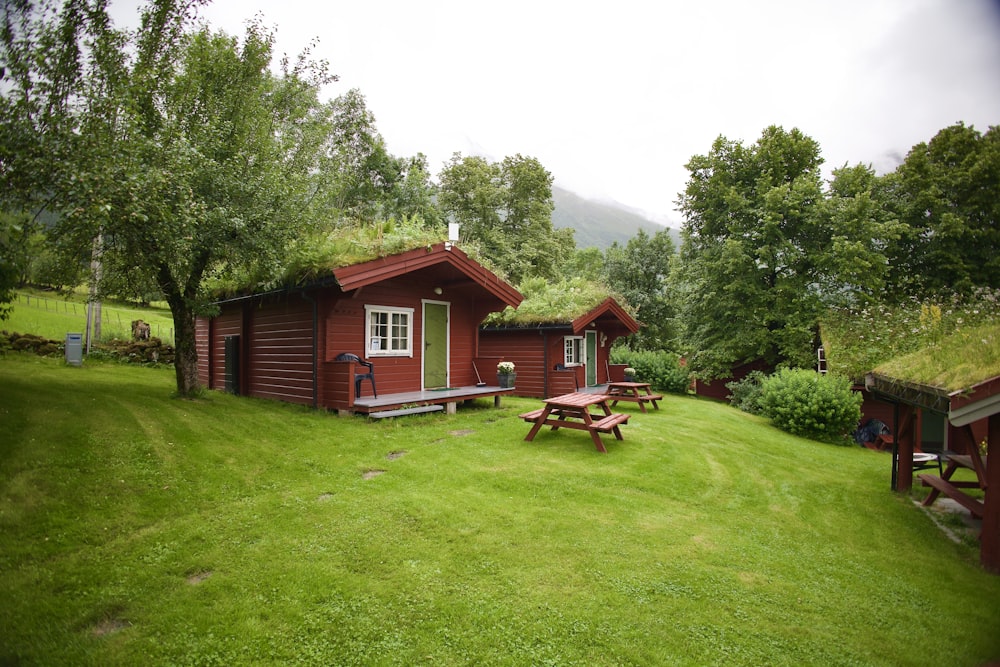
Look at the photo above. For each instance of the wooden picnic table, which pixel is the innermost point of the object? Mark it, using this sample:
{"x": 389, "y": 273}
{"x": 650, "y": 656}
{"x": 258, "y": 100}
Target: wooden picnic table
{"x": 639, "y": 392}
{"x": 953, "y": 488}
{"x": 574, "y": 411}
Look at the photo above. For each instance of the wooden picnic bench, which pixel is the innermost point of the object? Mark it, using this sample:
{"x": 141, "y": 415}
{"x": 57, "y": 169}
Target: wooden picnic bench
{"x": 574, "y": 411}
{"x": 953, "y": 488}
{"x": 638, "y": 392}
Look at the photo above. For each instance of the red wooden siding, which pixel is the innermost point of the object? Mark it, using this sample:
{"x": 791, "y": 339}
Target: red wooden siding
{"x": 346, "y": 330}
{"x": 437, "y": 265}
{"x": 278, "y": 351}
{"x": 536, "y": 352}
{"x": 717, "y": 388}
{"x": 463, "y": 323}
{"x": 872, "y": 408}
{"x": 525, "y": 347}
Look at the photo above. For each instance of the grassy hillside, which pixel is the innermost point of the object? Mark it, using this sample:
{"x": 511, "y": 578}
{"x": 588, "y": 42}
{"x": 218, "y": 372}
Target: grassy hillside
{"x": 140, "y": 529}
{"x": 597, "y": 224}
{"x": 53, "y": 316}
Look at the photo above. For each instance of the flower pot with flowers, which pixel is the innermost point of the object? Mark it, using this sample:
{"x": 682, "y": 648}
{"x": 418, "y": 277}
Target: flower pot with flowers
{"x": 506, "y": 374}
{"x": 630, "y": 374}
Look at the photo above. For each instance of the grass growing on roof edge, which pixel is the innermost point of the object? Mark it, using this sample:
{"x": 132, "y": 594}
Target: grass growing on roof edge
{"x": 138, "y": 528}
{"x": 958, "y": 361}
{"x": 546, "y": 302}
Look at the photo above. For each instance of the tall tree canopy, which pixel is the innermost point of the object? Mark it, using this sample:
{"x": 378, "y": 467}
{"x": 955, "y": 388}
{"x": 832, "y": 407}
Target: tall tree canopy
{"x": 947, "y": 194}
{"x": 506, "y": 208}
{"x": 762, "y": 252}
{"x": 639, "y": 271}
{"x": 364, "y": 181}
{"x": 174, "y": 153}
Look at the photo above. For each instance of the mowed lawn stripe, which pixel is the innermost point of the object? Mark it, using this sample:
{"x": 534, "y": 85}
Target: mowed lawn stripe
{"x": 139, "y": 528}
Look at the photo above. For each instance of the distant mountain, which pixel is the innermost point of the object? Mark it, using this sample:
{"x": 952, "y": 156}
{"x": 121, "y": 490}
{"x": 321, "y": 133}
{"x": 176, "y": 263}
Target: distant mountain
{"x": 599, "y": 224}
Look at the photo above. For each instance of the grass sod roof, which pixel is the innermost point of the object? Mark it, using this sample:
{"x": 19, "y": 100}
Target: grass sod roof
{"x": 315, "y": 255}
{"x": 554, "y": 303}
{"x": 915, "y": 333}
{"x": 958, "y": 361}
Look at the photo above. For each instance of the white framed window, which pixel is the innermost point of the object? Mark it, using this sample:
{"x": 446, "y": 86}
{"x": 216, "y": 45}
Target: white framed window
{"x": 573, "y": 351}
{"x": 390, "y": 331}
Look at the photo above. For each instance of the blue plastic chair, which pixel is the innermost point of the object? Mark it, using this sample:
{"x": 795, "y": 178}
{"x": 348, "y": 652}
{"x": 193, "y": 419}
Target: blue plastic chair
{"x": 359, "y": 377}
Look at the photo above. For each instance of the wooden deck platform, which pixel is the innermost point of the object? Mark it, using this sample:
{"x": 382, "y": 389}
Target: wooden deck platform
{"x": 449, "y": 398}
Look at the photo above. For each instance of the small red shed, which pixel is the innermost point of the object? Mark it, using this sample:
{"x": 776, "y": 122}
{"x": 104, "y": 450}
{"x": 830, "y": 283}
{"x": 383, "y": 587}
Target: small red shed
{"x": 414, "y": 316}
{"x": 560, "y": 356}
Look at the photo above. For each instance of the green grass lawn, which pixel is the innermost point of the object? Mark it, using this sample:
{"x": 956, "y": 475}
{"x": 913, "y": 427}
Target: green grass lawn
{"x": 136, "y": 528}
{"x": 53, "y": 316}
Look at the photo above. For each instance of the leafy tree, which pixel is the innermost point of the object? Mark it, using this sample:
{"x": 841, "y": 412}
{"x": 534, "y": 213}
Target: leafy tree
{"x": 587, "y": 263}
{"x": 506, "y": 208}
{"x": 748, "y": 275}
{"x": 415, "y": 194}
{"x": 947, "y": 192}
{"x": 362, "y": 175}
{"x": 640, "y": 271}
{"x": 175, "y": 153}
{"x": 16, "y": 234}
{"x": 861, "y": 229}
{"x": 9, "y": 263}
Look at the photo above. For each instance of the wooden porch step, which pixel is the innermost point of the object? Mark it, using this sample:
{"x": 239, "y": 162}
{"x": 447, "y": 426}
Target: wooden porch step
{"x": 400, "y": 412}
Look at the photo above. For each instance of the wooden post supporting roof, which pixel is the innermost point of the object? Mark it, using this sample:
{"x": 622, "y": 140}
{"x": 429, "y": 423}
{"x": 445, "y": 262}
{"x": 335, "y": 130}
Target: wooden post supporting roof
{"x": 989, "y": 547}
{"x": 962, "y": 408}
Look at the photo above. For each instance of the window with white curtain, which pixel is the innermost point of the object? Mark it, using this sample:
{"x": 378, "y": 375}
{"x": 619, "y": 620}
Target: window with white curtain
{"x": 390, "y": 331}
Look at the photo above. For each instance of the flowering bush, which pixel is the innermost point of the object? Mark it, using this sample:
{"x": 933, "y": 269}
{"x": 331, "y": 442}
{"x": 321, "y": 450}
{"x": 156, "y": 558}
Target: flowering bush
{"x": 505, "y": 367}
{"x": 803, "y": 402}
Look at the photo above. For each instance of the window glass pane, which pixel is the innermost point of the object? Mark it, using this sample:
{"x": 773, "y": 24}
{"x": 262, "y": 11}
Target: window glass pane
{"x": 379, "y": 329}
{"x": 389, "y": 330}
{"x": 572, "y": 350}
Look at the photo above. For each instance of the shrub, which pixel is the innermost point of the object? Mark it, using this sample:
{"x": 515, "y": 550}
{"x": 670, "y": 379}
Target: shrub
{"x": 807, "y": 403}
{"x": 661, "y": 369}
{"x": 746, "y": 393}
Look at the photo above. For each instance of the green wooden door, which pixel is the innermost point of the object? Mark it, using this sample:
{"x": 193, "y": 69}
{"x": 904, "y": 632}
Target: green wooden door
{"x": 591, "y": 358}
{"x": 435, "y": 345}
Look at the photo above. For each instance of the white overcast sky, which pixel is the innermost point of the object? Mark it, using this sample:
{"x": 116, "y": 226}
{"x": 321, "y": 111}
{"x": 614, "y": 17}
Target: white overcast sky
{"x": 613, "y": 98}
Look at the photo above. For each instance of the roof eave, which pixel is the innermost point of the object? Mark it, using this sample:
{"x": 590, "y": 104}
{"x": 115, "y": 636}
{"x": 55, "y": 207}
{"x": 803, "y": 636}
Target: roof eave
{"x": 367, "y": 273}
{"x": 607, "y": 307}
{"x": 978, "y": 402}
{"x": 961, "y": 407}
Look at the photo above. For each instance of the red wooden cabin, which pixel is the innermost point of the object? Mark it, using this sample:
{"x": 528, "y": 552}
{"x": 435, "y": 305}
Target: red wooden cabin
{"x": 414, "y": 316}
{"x": 559, "y": 357}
